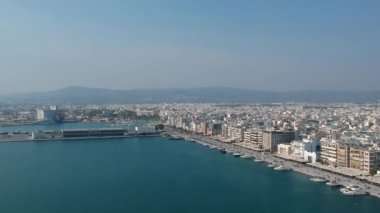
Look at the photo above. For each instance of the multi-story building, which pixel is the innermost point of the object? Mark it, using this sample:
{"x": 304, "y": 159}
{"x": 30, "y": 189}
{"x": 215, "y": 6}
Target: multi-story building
{"x": 253, "y": 137}
{"x": 284, "y": 149}
{"x": 363, "y": 158}
{"x": 329, "y": 152}
{"x": 49, "y": 114}
{"x": 272, "y": 138}
{"x": 343, "y": 155}
{"x": 306, "y": 148}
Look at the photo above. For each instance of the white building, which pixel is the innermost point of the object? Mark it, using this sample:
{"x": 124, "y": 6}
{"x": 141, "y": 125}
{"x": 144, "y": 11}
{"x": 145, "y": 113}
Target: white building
{"x": 307, "y": 149}
{"x": 47, "y": 114}
{"x": 308, "y": 145}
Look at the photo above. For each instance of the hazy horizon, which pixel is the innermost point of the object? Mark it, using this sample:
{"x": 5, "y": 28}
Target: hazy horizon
{"x": 180, "y": 88}
{"x": 257, "y": 45}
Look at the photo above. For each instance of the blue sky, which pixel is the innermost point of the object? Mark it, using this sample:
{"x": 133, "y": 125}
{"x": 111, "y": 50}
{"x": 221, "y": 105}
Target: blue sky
{"x": 266, "y": 45}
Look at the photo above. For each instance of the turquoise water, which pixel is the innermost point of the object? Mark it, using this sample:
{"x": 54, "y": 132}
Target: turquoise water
{"x": 154, "y": 175}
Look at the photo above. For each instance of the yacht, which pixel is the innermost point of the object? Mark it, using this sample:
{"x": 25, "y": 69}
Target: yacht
{"x": 282, "y": 168}
{"x": 316, "y": 179}
{"x": 224, "y": 151}
{"x": 258, "y": 160}
{"x": 271, "y": 165}
{"x": 353, "y": 190}
{"x": 333, "y": 184}
{"x": 213, "y": 147}
{"x": 229, "y": 151}
{"x": 236, "y": 154}
{"x": 247, "y": 156}
{"x": 175, "y": 137}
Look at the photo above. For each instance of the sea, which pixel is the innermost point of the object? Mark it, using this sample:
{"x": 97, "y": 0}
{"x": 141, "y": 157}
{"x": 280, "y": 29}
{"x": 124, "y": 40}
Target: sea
{"x": 153, "y": 175}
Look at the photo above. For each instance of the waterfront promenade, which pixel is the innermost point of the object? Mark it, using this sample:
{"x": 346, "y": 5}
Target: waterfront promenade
{"x": 312, "y": 170}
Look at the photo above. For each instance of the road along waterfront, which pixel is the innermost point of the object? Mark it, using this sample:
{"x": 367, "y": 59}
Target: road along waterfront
{"x": 304, "y": 168}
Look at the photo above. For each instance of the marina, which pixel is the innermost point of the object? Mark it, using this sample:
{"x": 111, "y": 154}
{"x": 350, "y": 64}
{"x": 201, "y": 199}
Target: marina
{"x": 317, "y": 174}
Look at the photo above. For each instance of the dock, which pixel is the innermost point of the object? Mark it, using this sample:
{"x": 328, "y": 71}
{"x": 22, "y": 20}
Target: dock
{"x": 76, "y": 134}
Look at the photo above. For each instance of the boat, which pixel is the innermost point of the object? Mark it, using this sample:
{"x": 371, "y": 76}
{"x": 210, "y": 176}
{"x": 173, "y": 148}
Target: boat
{"x": 224, "y": 151}
{"x": 316, "y": 179}
{"x": 236, "y": 154}
{"x": 213, "y": 147}
{"x": 229, "y": 151}
{"x": 282, "y": 168}
{"x": 353, "y": 190}
{"x": 333, "y": 184}
{"x": 258, "y": 160}
{"x": 271, "y": 165}
{"x": 176, "y": 138}
{"x": 247, "y": 156}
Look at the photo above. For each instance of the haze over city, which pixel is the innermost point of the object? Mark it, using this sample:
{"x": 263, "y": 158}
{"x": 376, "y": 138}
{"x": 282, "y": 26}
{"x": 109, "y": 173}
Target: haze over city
{"x": 265, "y": 45}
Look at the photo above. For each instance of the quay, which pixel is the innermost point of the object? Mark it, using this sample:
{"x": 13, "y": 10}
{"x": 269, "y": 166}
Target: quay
{"x": 369, "y": 184}
{"x": 75, "y": 134}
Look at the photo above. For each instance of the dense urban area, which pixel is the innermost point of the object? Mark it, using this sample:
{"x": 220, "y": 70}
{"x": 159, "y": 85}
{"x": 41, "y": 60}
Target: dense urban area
{"x": 342, "y": 138}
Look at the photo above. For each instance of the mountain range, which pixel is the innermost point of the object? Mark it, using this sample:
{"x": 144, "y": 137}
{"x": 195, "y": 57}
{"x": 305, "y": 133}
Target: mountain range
{"x": 84, "y": 95}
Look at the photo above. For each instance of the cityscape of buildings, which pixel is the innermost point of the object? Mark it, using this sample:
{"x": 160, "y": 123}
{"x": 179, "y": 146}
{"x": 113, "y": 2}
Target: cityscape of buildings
{"x": 336, "y": 135}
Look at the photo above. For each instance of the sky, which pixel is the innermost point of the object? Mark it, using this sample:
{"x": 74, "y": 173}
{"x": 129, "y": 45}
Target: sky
{"x": 124, "y": 44}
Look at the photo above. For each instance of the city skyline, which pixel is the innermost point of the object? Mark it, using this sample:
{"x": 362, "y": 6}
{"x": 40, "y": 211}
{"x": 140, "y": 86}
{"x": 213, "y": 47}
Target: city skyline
{"x": 275, "y": 46}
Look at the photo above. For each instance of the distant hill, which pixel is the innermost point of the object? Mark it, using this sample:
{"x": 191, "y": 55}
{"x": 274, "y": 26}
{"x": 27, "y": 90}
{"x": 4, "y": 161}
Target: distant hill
{"x": 83, "y": 95}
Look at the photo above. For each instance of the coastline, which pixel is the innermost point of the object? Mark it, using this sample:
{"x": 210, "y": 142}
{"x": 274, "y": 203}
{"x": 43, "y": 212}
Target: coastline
{"x": 306, "y": 169}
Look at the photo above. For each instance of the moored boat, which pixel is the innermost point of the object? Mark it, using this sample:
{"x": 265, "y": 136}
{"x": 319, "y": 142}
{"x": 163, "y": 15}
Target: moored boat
{"x": 282, "y": 168}
{"x": 247, "y": 156}
{"x": 174, "y": 137}
{"x": 353, "y": 190}
{"x": 224, "y": 151}
{"x": 316, "y": 179}
{"x": 333, "y": 184}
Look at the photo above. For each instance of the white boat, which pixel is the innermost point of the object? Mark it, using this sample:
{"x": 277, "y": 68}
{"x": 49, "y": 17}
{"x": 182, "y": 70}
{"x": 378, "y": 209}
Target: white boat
{"x": 271, "y": 165}
{"x": 258, "y": 160}
{"x": 282, "y": 168}
{"x": 333, "y": 184}
{"x": 315, "y": 179}
{"x": 353, "y": 190}
{"x": 213, "y": 147}
{"x": 236, "y": 154}
{"x": 247, "y": 156}
{"x": 229, "y": 151}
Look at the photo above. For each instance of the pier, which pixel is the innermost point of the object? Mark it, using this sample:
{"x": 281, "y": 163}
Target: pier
{"x": 75, "y": 134}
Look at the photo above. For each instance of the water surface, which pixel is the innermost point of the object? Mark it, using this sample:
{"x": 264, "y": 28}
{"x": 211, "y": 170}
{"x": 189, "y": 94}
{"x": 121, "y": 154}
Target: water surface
{"x": 154, "y": 175}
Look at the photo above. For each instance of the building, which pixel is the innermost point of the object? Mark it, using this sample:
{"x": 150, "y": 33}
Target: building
{"x": 307, "y": 149}
{"x": 272, "y": 138}
{"x": 343, "y": 155}
{"x": 329, "y": 152}
{"x": 284, "y": 149}
{"x": 365, "y": 159}
{"x": 254, "y": 137}
{"x": 300, "y": 146}
{"x": 50, "y": 114}
{"x": 216, "y": 129}
{"x": 102, "y": 132}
